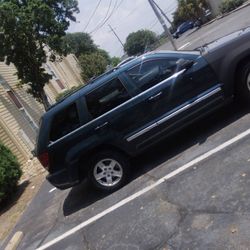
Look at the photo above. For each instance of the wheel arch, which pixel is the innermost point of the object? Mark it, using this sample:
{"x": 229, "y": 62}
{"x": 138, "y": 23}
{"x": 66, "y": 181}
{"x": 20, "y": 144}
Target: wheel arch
{"x": 230, "y": 65}
{"x": 237, "y": 69}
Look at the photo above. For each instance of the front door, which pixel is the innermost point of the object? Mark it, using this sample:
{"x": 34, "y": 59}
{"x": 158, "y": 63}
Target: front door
{"x": 167, "y": 94}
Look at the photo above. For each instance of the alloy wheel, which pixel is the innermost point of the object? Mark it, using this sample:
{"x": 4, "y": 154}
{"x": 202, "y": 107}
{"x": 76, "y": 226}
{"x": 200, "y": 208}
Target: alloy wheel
{"x": 108, "y": 172}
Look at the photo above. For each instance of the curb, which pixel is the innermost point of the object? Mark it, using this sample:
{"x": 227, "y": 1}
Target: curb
{"x": 15, "y": 241}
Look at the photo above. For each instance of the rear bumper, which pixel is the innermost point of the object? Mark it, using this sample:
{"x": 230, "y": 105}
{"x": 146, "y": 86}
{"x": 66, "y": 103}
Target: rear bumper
{"x": 62, "y": 180}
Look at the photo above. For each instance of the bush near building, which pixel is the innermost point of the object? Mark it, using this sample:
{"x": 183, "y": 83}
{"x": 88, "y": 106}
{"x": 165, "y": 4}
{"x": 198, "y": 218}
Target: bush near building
{"x": 68, "y": 92}
{"x": 229, "y": 5}
{"x": 10, "y": 172}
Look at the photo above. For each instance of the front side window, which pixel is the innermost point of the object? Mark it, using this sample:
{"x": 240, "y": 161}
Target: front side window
{"x": 107, "y": 97}
{"x": 149, "y": 73}
{"x": 64, "y": 122}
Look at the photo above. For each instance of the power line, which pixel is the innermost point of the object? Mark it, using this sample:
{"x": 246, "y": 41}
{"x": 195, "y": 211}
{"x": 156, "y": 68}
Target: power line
{"x": 130, "y": 13}
{"x": 161, "y": 11}
{"x": 118, "y": 6}
{"x": 116, "y": 35}
{"x": 155, "y": 21}
{"x": 105, "y": 20}
{"x": 110, "y": 2}
{"x": 93, "y": 13}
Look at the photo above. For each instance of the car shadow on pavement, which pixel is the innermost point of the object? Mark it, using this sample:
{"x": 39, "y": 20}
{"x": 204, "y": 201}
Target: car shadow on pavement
{"x": 83, "y": 195}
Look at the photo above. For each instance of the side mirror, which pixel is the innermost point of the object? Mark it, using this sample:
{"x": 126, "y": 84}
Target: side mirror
{"x": 184, "y": 64}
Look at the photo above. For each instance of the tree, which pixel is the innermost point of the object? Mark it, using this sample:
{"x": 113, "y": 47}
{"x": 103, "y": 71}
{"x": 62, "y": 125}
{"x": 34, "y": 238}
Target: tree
{"x": 27, "y": 27}
{"x": 79, "y": 43}
{"x": 82, "y": 45}
{"x": 188, "y": 10}
{"x": 104, "y": 54}
{"x": 92, "y": 65}
{"x": 138, "y": 42}
{"x": 115, "y": 60}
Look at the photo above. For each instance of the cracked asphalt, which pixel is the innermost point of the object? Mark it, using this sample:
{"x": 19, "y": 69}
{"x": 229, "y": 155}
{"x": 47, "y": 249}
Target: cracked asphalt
{"x": 205, "y": 207}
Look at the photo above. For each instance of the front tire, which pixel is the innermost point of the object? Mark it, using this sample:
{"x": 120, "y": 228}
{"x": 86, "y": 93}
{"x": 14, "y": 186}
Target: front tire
{"x": 108, "y": 171}
{"x": 243, "y": 84}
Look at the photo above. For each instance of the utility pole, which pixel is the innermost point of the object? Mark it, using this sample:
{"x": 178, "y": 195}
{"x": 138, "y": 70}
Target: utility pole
{"x": 162, "y": 12}
{"x": 116, "y": 35}
{"x": 158, "y": 15}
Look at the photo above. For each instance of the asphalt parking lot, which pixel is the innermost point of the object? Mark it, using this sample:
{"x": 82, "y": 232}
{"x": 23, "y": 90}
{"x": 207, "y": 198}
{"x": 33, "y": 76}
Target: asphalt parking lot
{"x": 204, "y": 207}
{"x": 188, "y": 192}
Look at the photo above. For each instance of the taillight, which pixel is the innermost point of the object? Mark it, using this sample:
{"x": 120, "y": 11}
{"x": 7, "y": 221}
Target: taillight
{"x": 44, "y": 160}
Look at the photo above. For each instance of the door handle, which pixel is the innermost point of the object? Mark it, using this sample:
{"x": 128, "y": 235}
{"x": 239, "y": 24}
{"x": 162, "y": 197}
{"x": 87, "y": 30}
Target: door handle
{"x": 155, "y": 97}
{"x": 102, "y": 126}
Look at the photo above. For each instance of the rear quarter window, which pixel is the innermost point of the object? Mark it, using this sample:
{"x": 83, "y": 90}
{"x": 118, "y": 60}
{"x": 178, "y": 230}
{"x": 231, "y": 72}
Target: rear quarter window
{"x": 64, "y": 122}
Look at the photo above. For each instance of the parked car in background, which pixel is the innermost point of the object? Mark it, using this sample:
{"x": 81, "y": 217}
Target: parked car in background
{"x": 94, "y": 132}
{"x": 183, "y": 28}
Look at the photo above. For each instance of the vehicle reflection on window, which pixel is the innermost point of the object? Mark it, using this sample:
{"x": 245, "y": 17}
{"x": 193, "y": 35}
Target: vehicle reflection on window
{"x": 106, "y": 97}
{"x": 149, "y": 73}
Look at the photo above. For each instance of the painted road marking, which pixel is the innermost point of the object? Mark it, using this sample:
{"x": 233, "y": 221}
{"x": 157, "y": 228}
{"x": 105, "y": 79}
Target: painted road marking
{"x": 52, "y": 190}
{"x": 145, "y": 190}
{"x": 184, "y": 46}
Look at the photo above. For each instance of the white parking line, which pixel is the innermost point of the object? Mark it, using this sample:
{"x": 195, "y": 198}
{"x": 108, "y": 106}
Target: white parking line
{"x": 52, "y": 190}
{"x": 184, "y": 46}
{"x": 145, "y": 190}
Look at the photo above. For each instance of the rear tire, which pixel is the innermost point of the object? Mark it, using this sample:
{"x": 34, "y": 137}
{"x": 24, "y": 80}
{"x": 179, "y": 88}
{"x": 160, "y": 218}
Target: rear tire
{"x": 243, "y": 84}
{"x": 109, "y": 171}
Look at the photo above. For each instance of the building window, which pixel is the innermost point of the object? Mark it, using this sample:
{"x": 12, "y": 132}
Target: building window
{"x": 51, "y": 72}
{"x": 60, "y": 84}
{"x": 54, "y": 76}
{"x": 12, "y": 96}
{"x": 19, "y": 105}
{"x": 14, "y": 99}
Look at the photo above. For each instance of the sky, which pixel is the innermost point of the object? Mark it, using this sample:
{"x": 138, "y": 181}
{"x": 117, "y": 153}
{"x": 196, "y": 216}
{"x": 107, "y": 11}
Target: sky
{"x": 125, "y": 16}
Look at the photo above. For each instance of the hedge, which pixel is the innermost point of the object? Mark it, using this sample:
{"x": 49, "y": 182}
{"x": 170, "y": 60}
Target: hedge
{"x": 10, "y": 172}
{"x": 229, "y": 5}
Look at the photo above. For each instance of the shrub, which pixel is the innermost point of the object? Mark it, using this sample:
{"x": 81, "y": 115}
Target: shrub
{"x": 10, "y": 172}
{"x": 229, "y": 5}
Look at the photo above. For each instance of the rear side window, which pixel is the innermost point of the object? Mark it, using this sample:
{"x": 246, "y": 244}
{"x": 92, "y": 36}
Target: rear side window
{"x": 107, "y": 97}
{"x": 64, "y": 122}
{"x": 149, "y": 73}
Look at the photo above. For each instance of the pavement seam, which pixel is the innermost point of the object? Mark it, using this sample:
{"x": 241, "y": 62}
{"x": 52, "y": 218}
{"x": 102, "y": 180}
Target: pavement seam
{"x": 53, "y": 225}
{"x": 86, "y": 240}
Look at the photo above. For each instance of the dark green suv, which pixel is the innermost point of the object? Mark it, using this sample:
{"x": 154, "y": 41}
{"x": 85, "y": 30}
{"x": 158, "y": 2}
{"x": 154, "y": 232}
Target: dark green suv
{"x": 95, "y": 131}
